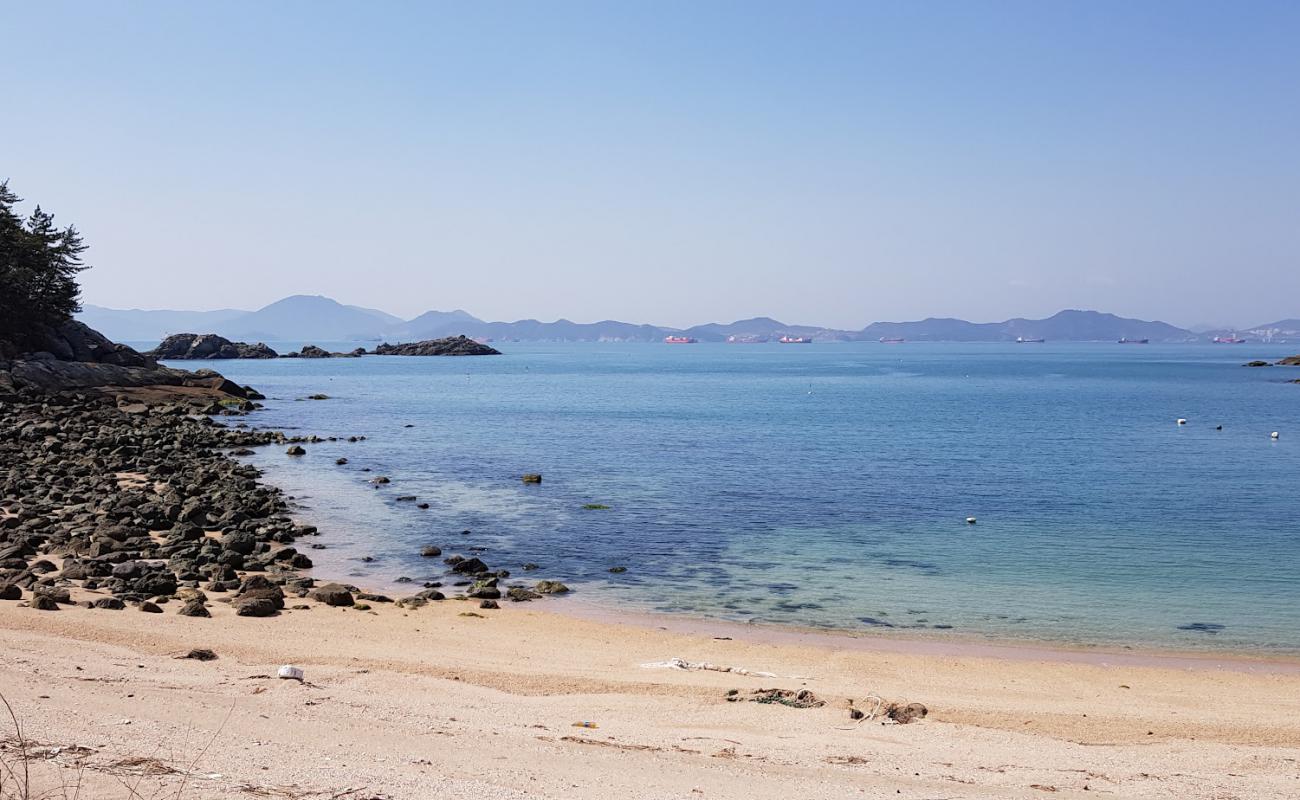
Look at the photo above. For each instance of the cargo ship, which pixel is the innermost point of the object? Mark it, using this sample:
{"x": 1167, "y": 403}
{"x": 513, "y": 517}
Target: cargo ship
{"x": 678, "y": 340}
{"x": 1030, "y": 340}
{"x": 1228, "y": 340}
{"x": 892, "y": 340}
{"x": 1126, "y": 340}
{"x": 795, "y": 340}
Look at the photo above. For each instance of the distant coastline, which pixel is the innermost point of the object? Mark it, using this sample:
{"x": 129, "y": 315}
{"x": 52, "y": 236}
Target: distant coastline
{"x": 312, "y": 318}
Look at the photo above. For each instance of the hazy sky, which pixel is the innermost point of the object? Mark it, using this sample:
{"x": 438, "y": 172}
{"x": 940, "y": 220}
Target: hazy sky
{"x": 830, "y": 163}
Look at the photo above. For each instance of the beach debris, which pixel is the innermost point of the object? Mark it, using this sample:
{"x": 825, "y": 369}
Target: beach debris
{"x": 200, "y": 654}
{"x": 1274, "y": 435}
{"x": 858, "y": 714}
{"x": 532, "y": 477}
{"x": 585, "y": 724}
{"x": 906, "y": 714}
{"x": 970, "y": 520}
{"x": 290, "y": 673}
{"x": 683, "y": 664}
{"x": 802, "y": 698}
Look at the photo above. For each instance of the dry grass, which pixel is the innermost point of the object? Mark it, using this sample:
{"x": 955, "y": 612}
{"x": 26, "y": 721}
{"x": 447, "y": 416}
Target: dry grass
{"x": 32, "y": 770}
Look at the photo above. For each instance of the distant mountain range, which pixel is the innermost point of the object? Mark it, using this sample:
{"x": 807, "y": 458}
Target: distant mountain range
{"x": 309, "y": 319}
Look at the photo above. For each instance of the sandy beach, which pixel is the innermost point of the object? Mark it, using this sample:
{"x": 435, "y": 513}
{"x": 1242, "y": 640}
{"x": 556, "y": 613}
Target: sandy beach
{"x": 452, "y": 701}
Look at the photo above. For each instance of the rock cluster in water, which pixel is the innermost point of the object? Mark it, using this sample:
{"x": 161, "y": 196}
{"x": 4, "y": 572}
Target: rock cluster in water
{"x": 312, "y": 351}
{"x": 194, "y": 346}
{"x": 449, "y": 346}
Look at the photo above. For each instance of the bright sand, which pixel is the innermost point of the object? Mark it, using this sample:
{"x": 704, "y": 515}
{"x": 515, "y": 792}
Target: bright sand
{"x": 429, "y": 703}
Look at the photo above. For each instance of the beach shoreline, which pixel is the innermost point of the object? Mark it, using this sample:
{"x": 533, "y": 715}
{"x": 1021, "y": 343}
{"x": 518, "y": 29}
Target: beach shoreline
{"x": 482, "y": 703}
{"x": 947, "y": 644}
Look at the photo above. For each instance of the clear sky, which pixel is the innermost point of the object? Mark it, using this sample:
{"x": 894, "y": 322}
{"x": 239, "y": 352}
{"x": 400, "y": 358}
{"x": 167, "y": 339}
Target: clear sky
{"x": 670, "y": 162}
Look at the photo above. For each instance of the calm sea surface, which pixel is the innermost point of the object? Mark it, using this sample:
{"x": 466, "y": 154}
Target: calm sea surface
{"x": 827, "y": 485}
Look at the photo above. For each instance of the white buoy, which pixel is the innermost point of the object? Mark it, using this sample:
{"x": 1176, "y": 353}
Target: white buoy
{"x": 970, "y": 520}
{"x": 1273, "y": 435}
{"x": 1182, "y": 421}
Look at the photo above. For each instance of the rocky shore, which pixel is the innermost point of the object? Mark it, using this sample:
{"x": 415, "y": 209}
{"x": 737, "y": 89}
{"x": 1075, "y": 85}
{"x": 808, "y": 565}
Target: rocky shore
{"x": 117, "y": 480}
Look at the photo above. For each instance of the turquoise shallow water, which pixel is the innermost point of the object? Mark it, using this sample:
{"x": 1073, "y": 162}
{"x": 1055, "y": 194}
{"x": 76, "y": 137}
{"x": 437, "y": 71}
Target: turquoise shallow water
{"x": 827, "y": 485}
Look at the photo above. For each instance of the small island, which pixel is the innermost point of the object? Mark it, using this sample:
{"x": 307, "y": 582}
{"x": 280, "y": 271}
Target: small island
{"x": 448, "y": 346}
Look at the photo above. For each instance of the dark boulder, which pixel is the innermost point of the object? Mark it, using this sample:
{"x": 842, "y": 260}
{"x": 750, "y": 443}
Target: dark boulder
{"x": 43, "y": 602}
{"x": 333, "y": 594}
{"x": 469, "y": 566}
{"x": 259, "y": 587}
{"x": 255, "y": 607}
{"x": 519, "y": 594}
{"x": 194, "y": 608}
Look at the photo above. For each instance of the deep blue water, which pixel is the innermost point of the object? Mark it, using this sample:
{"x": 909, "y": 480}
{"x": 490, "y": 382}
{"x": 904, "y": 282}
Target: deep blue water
{"x": 828, "y": 484}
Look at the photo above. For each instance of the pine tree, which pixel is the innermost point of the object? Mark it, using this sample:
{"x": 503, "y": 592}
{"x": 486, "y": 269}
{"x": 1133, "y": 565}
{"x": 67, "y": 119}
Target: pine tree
{"x": 38, "y": 267}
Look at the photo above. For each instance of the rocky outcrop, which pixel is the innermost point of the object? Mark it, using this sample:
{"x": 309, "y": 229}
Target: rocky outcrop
{"x": 49, "y": 375}
{"x": 73, "y": 357}
{"x": 450, "y": 346}
{"x": 195, "y": 346}
{"x": 312, "y": 351}
{"x": 74, "y": 341}
{"x": 1290, "y": 361}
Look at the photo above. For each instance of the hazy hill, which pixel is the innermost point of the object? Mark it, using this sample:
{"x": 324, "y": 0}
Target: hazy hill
{"x": 762, "y": 326}
{"x": 136, "y": 325}
{"x": 1065, "y": 326}
{"x": 311, "y": 319}
{"x": 308, "y": 318}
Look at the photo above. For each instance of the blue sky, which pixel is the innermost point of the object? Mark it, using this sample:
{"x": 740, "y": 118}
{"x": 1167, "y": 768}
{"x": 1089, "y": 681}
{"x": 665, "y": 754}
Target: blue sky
{"x": 832, "y": 163}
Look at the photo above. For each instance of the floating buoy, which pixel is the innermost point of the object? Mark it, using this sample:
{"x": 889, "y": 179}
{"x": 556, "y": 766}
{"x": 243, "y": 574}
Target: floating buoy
{"x": 1218, "y": 427}
{"x": 970, "y": 520}
{"x": 1273, "y": 435}
{"x": 1182, "y": 421}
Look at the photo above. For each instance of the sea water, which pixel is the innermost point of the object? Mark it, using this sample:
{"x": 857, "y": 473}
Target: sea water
{"x": 825, "y": 485}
